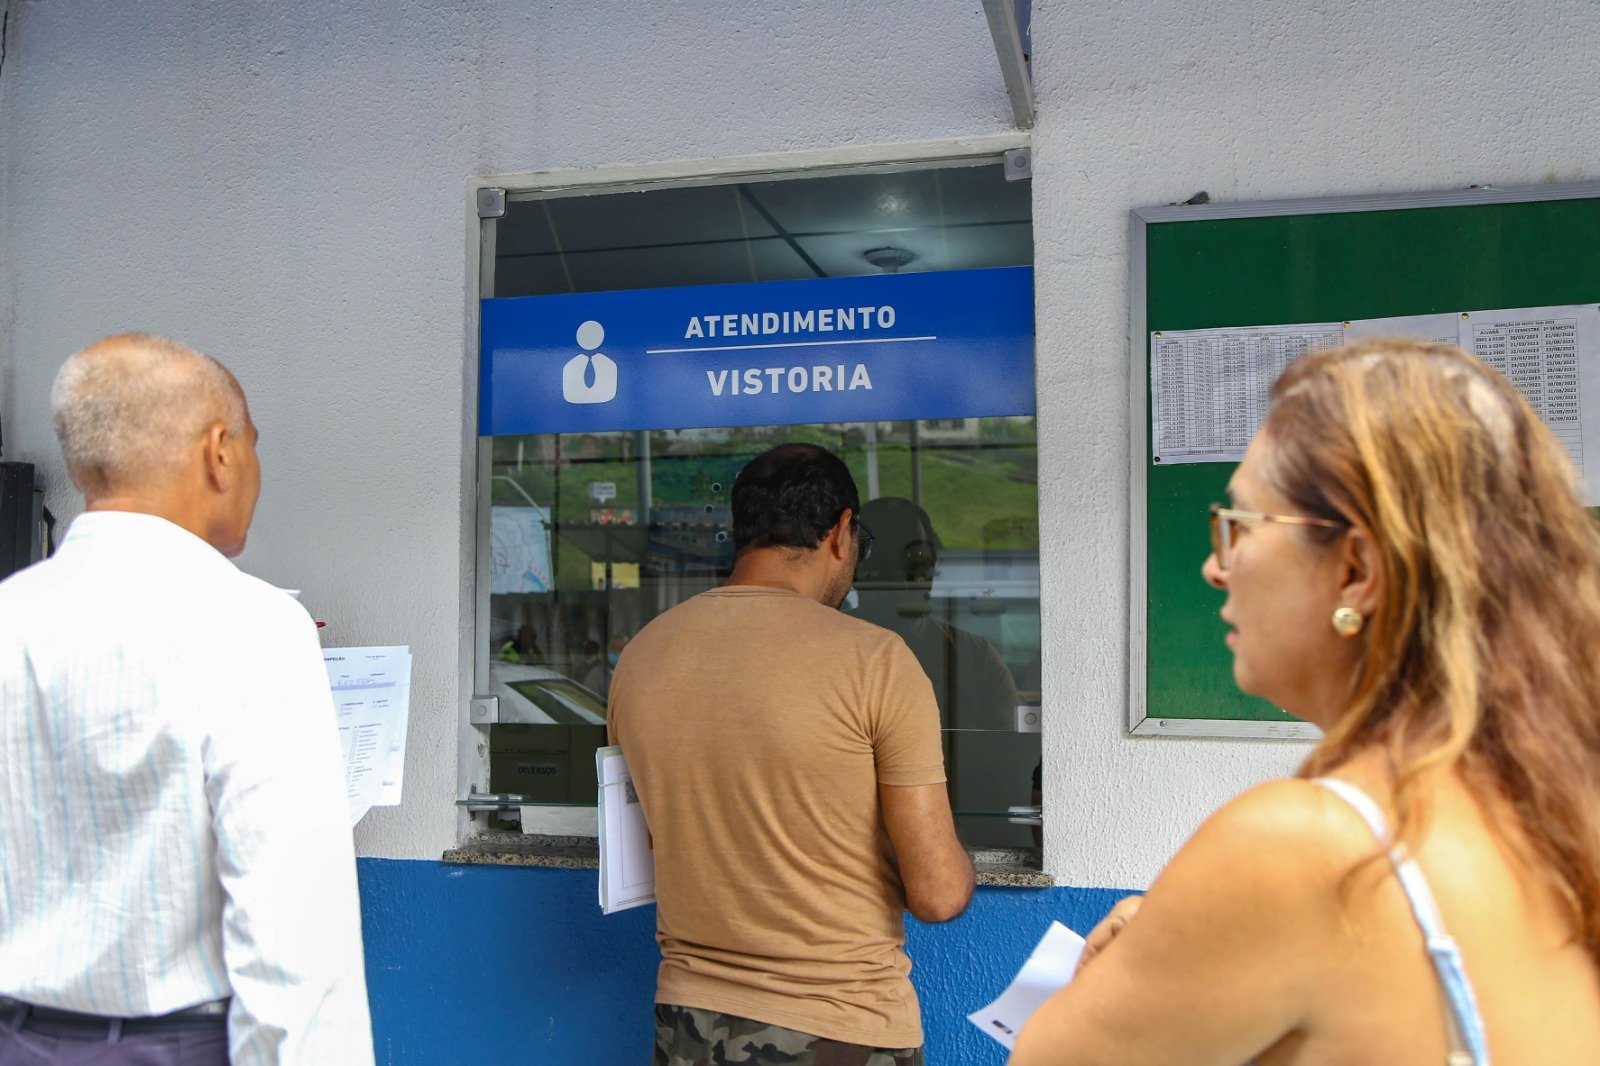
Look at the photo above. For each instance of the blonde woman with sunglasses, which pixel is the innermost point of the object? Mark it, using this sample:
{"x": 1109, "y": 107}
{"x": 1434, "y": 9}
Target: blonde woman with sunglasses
{"x": 1408, "y": 566}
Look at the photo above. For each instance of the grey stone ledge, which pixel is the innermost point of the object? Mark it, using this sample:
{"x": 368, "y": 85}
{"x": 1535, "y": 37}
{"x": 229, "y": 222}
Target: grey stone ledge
{"x": 1000, "y": 867}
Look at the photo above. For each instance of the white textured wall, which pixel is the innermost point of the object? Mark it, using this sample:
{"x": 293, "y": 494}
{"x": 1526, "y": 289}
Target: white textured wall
{"x": 1147, "y": 103}
{"x": 283, "y": 185}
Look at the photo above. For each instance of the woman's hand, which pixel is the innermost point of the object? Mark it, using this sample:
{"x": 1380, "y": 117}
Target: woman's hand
{"x": 1107, "y": 930}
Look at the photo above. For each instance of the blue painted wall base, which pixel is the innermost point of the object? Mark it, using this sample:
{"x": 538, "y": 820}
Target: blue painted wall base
{"x": 504, "y": 966}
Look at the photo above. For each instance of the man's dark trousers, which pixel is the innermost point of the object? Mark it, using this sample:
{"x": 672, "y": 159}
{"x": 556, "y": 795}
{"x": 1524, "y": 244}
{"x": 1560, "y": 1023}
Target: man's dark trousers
{"x": 30, "y": 1037}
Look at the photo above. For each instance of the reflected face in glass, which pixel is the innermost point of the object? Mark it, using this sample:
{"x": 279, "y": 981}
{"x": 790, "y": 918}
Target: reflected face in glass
{"x": 904, "y": 551}
{"x": 918, "y": 560}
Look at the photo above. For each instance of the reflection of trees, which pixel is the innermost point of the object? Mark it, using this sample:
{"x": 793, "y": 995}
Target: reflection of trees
{"x": 965, "y": 485}
{"x": 980, "y": 491}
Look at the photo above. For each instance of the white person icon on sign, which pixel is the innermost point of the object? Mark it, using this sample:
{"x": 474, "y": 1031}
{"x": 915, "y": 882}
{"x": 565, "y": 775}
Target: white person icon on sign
{"x": 575, "y": 384}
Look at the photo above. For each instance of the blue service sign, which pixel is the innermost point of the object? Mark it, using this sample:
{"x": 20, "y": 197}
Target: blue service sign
{"x": 950, "y": 344}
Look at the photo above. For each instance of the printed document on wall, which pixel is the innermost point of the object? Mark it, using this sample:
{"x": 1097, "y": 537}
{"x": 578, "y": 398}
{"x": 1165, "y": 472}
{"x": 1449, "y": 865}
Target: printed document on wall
{"x": 1552, "y": 356}
{"x": 372, "y": 701}
{"x": 627, "y": 863}
{"x": 1208, "y": 387}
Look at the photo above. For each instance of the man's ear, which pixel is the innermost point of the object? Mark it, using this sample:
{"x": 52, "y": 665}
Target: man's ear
{"x": 216, "y": 451}
{"x": 838, "y": 538}
{"x": 1362, "y": 572}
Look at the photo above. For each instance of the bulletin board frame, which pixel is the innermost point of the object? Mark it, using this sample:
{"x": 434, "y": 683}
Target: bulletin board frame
{"x": 1210, "y": 706}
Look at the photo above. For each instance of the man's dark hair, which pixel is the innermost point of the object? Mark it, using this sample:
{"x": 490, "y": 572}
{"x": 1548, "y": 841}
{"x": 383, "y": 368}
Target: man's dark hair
{"x": 790, "y": 496}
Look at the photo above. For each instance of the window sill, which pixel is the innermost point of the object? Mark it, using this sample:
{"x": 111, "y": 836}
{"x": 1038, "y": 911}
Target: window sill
{"x": 997, "y": 867}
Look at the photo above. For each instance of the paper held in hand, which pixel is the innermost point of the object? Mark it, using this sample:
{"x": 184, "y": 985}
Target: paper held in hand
{"x": 1046, "y": 972}
{"x": 371, "y": 701}
{"x": 627, "y": 865}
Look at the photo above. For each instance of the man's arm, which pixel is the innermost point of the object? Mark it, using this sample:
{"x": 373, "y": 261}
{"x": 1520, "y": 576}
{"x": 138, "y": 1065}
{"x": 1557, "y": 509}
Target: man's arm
{"x": 291, "y": 922}
{"x": 934, "y": 867}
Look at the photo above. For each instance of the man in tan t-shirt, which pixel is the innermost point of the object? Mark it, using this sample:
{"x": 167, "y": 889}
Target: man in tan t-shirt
{"x": 788, "y": 760}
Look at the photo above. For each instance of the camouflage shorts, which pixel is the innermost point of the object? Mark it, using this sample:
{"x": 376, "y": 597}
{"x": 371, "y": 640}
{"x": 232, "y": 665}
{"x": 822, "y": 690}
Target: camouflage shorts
{"x": 688, "y": 1036}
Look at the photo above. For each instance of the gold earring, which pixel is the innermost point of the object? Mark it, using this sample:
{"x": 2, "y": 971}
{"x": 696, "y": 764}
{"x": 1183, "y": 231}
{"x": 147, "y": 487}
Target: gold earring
{"x": 1347, "y": 622}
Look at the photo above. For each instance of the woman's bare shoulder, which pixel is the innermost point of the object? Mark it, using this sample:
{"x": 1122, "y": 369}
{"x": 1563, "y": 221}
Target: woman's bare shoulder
{"x": 1288, "y": 835}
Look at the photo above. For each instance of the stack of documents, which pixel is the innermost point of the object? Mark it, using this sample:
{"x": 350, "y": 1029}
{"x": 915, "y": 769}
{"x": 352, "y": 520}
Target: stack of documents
{"x": 627, "y": 864}
{"x": 372, "y": 699}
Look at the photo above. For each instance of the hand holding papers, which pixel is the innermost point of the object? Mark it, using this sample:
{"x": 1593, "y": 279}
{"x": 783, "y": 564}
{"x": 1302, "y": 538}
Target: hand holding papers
{"x": 627, "y": 865}
{"x": 372, "y": 700}
{"x": 1046, "y": 972}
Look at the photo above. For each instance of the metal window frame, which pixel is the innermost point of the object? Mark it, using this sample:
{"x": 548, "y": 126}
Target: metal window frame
{"x": 1139, "y": 222}
{"x": 481, "y": 230}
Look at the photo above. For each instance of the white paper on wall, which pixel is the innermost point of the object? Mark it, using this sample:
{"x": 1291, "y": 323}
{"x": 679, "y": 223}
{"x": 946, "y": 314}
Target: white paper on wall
{"x": 1552, "y": 356}
{"x": 1209, "y": 387}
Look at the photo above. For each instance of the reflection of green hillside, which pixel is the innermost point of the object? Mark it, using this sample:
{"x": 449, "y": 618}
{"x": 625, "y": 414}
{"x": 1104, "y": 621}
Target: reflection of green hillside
{"x": 983, "y": 496}
{"x": 961, "y": 493}
{"x": 695, "y": 479}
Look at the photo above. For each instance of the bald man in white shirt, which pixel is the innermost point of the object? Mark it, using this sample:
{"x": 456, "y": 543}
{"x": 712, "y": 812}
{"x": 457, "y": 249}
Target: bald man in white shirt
{"x": 177, "y": 881}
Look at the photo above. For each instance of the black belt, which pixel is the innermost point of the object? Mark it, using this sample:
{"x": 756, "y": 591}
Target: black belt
{"x": 16, "y": 1013}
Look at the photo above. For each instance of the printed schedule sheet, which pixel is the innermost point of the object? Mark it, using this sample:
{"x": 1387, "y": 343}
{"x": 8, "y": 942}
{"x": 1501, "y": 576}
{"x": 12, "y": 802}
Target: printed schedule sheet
{"x": 372, "y": 701}
{"x": 1209, "y": 387}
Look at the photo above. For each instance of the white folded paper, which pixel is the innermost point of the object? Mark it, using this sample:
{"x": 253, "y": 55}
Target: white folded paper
{"x": 627, "y": 865}
{"x": 1046, "y": 972}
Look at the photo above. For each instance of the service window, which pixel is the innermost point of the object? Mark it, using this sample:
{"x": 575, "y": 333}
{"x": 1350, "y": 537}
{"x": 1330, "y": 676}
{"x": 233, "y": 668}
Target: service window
{"x": 595, "y": 531}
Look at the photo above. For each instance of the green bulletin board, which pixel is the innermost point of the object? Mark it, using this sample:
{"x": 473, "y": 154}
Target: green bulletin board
{"x": 1229, "y": 265}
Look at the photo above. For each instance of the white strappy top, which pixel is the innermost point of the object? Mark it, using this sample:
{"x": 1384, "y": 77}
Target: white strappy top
{"x": 1467, "y": 1044}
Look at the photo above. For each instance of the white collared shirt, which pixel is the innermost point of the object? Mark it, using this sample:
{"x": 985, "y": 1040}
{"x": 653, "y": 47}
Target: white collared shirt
{"x": 173, "y": 823}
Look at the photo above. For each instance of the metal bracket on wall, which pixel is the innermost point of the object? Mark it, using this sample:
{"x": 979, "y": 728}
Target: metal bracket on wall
{"x": 485, "y": 710}
{"x": 1006, "y": 29}
{"x": 491, "y": 203}
{"x": 1019, "y": 164}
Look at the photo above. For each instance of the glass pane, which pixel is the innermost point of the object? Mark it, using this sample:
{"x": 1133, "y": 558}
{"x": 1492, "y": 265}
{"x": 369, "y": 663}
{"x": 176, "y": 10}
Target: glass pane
{"x": 563, "y": 701}
{"x": 596, "y": 534}
{"x": 946, "y": 218}
{"x": 632, "y": 524}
